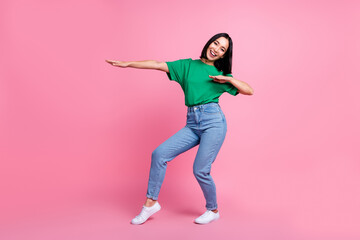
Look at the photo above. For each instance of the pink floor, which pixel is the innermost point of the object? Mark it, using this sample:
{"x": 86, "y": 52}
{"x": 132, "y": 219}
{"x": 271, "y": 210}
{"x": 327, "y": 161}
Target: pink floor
{"x": 109, "y": 218}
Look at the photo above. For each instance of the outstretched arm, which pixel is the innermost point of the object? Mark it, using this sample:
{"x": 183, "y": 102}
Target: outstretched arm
{"x": 147, "y": 64}
{"x": 242, "y": 86}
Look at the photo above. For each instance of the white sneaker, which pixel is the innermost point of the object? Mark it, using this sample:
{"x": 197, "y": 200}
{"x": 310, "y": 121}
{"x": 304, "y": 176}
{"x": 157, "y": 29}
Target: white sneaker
{"x": 145, "y": 213}
{"x": 207, "y": 217}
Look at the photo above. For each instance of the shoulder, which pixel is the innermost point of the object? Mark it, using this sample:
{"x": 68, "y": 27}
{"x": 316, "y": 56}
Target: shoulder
{"x": 182, "y": 60}
{"x": 186, "y": 59}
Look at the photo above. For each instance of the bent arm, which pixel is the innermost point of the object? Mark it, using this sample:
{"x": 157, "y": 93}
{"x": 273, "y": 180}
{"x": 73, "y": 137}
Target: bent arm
{"x": 147, "y": 64}
{"x": 242, "y": 86}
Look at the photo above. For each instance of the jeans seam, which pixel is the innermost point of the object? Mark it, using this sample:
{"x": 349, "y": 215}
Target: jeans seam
{"x": 158, "y": 174}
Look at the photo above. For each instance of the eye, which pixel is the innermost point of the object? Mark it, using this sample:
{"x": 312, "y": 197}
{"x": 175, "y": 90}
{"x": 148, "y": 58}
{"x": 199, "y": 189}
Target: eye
{"x": 216, "y": 43}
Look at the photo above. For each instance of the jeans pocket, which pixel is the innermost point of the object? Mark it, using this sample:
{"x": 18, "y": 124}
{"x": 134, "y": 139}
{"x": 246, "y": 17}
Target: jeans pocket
{"x": 211, "y": 110}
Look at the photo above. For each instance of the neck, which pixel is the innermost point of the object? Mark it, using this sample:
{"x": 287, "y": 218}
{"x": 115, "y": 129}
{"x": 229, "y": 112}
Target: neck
{"x": 207, "y": 61}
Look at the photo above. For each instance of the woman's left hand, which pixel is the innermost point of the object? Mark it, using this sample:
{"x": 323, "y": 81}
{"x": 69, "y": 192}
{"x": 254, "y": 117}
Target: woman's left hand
{"x": 220, "y": 78}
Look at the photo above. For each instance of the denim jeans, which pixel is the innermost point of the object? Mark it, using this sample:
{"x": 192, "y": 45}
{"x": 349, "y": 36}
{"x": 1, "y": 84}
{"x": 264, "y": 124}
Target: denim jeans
{"x": 205, "y": 126}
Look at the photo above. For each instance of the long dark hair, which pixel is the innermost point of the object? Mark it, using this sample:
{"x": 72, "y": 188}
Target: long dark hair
{"x": 223, "y": 64}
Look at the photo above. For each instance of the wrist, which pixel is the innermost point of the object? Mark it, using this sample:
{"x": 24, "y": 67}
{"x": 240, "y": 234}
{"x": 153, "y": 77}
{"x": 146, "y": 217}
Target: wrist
{"x": 231, "y": 80}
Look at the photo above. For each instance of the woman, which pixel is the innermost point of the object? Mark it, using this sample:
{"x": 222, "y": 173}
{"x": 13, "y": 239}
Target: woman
{"x": 203, "y": 81}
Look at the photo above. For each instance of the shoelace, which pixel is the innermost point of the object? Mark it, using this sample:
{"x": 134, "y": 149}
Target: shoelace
{"x": 141, "y": 215}
{"x": 206, "y": 213}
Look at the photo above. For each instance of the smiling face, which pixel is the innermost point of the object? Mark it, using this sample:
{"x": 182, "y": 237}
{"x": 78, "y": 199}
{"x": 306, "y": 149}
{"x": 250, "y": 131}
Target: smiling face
{"x": 217, "y": 49}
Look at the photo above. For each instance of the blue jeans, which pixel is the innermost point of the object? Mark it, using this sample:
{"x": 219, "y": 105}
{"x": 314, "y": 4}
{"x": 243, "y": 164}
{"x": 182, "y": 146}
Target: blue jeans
{"x": 206, "y": 126}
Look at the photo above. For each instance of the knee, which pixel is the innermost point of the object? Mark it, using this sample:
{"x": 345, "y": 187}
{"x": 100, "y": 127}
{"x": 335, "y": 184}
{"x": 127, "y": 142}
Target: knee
{"x": 156, "y": 154}
{"x": 200, "y": 173}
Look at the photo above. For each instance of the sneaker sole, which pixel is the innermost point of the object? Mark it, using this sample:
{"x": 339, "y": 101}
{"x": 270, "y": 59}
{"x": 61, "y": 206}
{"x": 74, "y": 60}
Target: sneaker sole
{"x": 207, "y": 222}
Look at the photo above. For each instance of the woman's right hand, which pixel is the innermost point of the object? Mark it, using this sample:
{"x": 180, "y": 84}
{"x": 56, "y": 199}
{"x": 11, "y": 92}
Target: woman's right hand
{"x": 118, "y": 63}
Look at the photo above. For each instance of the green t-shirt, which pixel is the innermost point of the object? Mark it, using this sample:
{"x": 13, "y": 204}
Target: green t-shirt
{"x": 198, "y": 87}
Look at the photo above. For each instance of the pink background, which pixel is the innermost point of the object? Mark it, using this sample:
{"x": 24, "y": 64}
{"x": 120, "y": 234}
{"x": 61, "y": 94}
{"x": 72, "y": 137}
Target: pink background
{"x": 77, "y": 134}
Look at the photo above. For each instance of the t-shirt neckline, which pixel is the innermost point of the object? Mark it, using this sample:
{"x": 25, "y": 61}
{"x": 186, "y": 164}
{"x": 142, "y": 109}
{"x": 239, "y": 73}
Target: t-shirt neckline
{"x": 213, "y": 66}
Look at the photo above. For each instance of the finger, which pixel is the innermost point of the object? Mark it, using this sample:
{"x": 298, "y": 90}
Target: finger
{"x": 219, "y": 81}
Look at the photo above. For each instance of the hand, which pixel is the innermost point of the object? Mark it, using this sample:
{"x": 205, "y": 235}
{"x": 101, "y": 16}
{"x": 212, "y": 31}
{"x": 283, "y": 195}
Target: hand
{"x": 220, "y": 78}
{"x": 118, "y": 63}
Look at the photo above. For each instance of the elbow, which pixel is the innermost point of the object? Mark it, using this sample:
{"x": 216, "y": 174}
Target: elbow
{"x": 162, "y": 66}
{"x": 250, "y": 91}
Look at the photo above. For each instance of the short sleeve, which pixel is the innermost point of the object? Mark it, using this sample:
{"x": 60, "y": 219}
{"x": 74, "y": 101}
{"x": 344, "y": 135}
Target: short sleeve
{"x": 178, "y": 69}
{"x": 231, "y": 89}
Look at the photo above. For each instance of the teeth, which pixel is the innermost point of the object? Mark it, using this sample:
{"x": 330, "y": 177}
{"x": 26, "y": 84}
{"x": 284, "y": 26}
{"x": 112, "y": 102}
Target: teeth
{"x": 212, "y": 53}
